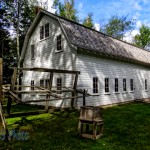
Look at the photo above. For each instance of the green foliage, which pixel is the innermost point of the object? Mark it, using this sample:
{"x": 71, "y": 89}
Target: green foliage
{"x": 143, "y": 38}
{"x": 66, "y": 10}
{"x": 118, "y": 26}
{"x": 88, "y": 21}
{"x": 10, "y": 12}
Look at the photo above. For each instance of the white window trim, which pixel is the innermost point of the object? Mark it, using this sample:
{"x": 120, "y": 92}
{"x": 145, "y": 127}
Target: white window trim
{"x": 95, "y": 94}
{"x": 44, "y": 32}
{"x": 123, "y": 85}
{"x": 146, "y": 90}
{"x": 59, "y": 77}
{"x": 107, "y": 93}
{"x": 131, "y": 91}
{"x": 32, "y": 58}
{"x": 59, "y": 51}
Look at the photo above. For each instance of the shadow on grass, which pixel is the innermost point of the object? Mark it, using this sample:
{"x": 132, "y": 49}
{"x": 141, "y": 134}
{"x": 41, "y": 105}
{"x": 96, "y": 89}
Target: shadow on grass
{"x": 125, "y": 127}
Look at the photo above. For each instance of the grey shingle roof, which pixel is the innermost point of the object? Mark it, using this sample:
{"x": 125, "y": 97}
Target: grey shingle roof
{"x": 89, "y": 39}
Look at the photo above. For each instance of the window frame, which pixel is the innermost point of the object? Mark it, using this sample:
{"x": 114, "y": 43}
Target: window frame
{"x": 44, "y": 31}
{"x": 59, "y": 43}
{"x": 59, "y": 84}
{"x": 146, "y": 85}
{"x": 42, "y": 83}
{"x": 32, "y": 50}
{"x": 131, "y": 85}
{"x": 95, "y": 85}
{"x": 32, "y": 84}
{"x": 116, "y": 85}
{"x": 106, "y": 83}
{"x": 124, "y": 85}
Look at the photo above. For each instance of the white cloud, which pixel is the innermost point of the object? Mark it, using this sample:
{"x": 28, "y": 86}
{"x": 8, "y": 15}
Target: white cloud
{"x": 128, "y": 37}
{"x": 48, "y": 3}
{"x": 138, "y": 24}
{"x": 97, "y": 26}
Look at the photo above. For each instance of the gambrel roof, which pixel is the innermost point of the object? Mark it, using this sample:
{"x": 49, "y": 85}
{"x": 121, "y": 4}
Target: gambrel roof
{"x": 93, "y": 41}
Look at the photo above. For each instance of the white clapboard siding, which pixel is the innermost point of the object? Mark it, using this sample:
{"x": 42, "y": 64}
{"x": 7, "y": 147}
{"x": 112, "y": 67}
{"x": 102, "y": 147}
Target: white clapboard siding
{"x": 99, "y": 67}
{"x": 89, "y": 66}
{"x": 47, "y": 57}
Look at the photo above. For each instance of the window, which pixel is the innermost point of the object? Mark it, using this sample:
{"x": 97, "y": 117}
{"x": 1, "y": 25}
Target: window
{"x": 106, "y": 85}
{"x": 46, "y": 83}
{"x": 32, "y": 85}
{"x": 47, "y": 30}
{"x": 146, "y": 88}
{"x": 59, "y": 85}
{"x": 41, "y": 32}
{"x": 124, "y": 85}
{"x": 95, "y": 84}
{"x": 32, "y": 51}
{"x": 41, "y": 83}
{"x": 44, "y": 31}
{"x": 131, "y": 84}
{"x": 59, "y": 42}
{"x": 116, "y": 84}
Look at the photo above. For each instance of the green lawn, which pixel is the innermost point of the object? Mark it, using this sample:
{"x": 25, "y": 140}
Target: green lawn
{"x": 127, "y": 127}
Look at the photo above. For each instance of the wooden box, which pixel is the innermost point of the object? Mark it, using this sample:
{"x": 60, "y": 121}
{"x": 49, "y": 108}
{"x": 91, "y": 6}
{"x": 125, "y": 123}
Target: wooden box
{"x": 91, "y": 113}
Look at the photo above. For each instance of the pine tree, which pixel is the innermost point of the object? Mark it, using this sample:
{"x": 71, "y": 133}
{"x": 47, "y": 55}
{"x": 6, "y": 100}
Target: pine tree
{"x": 89, "y": 21}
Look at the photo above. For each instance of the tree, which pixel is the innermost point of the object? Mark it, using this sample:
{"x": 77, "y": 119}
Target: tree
{"x": 143, "y": 38}
{"x": 118, "y": 26}
{"x": 88, "y": 21}
{"x": 66, "y": 10}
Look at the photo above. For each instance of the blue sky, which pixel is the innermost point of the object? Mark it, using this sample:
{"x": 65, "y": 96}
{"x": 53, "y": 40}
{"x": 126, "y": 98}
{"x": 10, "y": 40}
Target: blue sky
{"x": 102, "y": 10}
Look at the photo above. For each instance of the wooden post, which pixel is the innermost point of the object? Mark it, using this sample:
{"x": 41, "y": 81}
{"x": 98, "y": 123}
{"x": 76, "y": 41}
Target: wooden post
{"x": 49, "y": 88}
{"x": 84, "y": 92}
{"x": 9, "y": 102}
{"x": 74, "y": 92}
{"x": 1, "y": 109}
{"x": 1, "y": 78}
{"x": 13, "y": 80}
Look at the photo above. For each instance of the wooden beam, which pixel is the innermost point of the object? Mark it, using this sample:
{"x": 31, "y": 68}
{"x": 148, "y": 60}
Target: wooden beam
{"x": 15, "y": 96}
{"x": 74, "y": 92}
{"x": 34, "y": 91}
{"x": 47, "y": 100}
{"x": 50, "y": 70}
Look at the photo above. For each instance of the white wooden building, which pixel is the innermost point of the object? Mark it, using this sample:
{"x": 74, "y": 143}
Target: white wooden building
{"x": 112, "y": 70}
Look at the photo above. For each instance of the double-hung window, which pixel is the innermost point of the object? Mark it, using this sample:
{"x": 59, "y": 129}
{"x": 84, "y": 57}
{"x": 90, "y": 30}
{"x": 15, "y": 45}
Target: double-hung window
{"x": 32, "y": 85}
{"x": 116, "y": 85}
{"x": 32, "y": 51}
{"x": 59, "y": 47}
{"x": 106, "y": 85}
{"x": 95, "y": 85}
{"x": 59, "y": 85}
{"x": 124, "y": 85}
{"x": 146, "y": 87}
{"x": 41, "y": 83}
{"x": 131, "y": 85}
{"x": 44, "y": 31}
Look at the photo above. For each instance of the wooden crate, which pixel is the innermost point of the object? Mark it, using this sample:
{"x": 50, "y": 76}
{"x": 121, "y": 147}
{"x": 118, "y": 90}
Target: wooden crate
{"x": 91, "y": 113}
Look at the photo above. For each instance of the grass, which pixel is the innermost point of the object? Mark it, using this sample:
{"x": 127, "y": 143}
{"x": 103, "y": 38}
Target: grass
{"x": 126, "y": 127}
